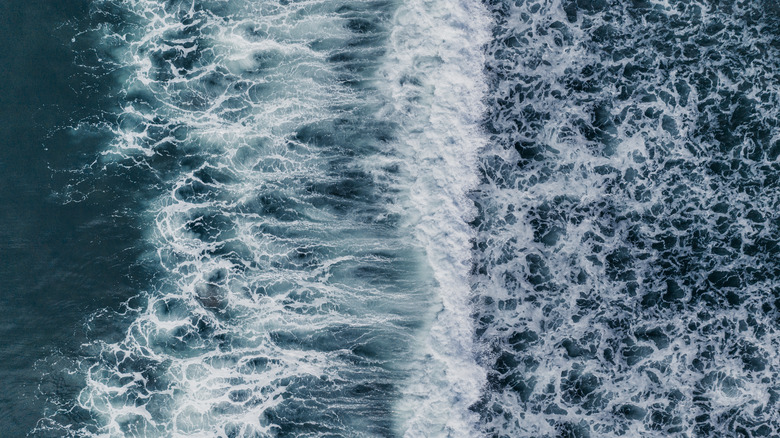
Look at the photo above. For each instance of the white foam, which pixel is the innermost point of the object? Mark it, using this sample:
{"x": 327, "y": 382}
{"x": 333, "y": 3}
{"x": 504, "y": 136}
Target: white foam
{"x": 168, "y": 375}
{"x": 434, "y": 75}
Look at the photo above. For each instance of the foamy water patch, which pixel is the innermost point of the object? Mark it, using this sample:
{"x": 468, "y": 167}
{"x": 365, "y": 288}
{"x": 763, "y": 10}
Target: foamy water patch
{"x": 624, "y": 149}
{"x": 434, "y": 77}
{"x": 286, "y": 294}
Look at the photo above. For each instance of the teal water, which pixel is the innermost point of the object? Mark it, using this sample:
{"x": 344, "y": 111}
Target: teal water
{"x": 386, "y": 218}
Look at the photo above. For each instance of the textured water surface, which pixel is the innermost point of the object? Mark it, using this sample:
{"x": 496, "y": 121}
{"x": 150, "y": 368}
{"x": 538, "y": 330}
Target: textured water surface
{"x": 626, "y": 273}
{"x": 279, "y": 150}
{"x": 386, "y": 218}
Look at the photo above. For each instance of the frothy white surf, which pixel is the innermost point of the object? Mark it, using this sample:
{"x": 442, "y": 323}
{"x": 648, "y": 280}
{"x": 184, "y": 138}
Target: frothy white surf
{"x": 609, "y": 301}
{"x": 311, "y": 222}
{"x": 434, "y": 73}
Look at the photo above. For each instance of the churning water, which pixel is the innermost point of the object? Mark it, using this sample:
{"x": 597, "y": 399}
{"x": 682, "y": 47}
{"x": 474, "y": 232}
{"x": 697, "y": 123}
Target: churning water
{"x": 426, "y": 218}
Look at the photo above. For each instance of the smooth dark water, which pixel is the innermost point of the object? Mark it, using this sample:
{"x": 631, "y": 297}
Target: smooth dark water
{"x": 58, "y": 262}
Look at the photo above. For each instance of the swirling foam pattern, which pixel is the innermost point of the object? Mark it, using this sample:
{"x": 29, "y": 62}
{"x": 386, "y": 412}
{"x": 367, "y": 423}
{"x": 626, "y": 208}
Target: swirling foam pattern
{"x": 299, "y": 272}
{"x": 376, "y": 218}
{"x": 627, "y": 253}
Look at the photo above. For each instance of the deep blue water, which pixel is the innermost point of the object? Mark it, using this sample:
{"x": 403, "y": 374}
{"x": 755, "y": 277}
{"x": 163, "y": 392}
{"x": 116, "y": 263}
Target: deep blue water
{"x": 59, "y": 263}
{"x": 380, "y": 218}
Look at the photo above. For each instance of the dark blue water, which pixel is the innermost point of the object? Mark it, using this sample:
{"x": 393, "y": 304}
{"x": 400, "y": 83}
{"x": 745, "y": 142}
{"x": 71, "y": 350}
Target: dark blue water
{"x": 626, "y": 269}
{"x": 58, "y": 263}
{"x": 527, "y": 218}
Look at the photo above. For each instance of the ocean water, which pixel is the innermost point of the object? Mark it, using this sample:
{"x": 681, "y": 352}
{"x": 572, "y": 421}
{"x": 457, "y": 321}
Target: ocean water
{"x": 625, "y": 265}
{"x": 58, "y": 262}
{"x": 387, "y": 218}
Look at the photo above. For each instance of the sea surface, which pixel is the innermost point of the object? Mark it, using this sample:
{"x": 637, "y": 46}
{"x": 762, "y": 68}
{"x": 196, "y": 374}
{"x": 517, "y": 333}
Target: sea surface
{"x": 390, "y": 218}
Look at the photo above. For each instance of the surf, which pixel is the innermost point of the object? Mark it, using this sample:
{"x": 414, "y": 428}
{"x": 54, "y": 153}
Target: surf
{"x": 301, "y": 157}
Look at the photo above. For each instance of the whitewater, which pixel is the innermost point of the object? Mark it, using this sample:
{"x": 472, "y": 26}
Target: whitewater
{"x": 310, "y": 235}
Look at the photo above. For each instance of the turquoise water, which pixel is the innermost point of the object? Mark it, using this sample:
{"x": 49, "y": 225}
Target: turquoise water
{"x": 231, "y": 218}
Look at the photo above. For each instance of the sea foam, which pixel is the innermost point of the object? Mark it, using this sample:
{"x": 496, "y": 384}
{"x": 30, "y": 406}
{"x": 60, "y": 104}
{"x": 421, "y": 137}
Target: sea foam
{"x": 308, "y": 224}
{"x": 434, "y": 74}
